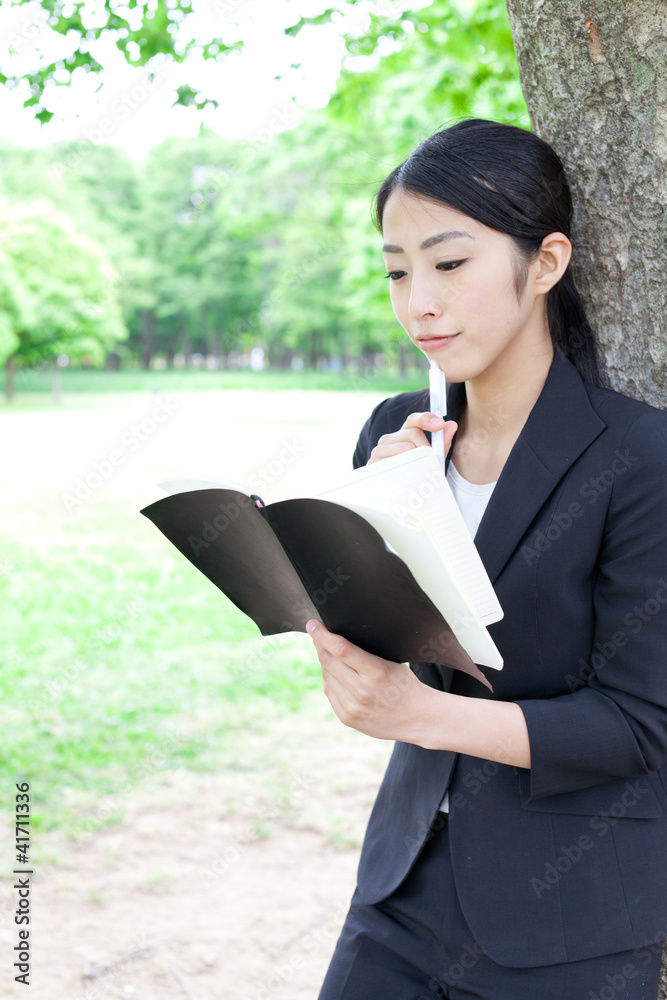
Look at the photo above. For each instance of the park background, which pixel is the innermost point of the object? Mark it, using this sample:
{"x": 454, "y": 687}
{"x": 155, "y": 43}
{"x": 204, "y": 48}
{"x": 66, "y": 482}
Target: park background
{"x": 190, "y": 281}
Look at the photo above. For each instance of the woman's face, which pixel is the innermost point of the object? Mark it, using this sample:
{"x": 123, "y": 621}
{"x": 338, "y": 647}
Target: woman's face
{"x": 453, "y": 279}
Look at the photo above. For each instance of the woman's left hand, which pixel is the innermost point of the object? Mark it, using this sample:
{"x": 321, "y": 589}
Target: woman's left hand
{"x": 378, "y": 697}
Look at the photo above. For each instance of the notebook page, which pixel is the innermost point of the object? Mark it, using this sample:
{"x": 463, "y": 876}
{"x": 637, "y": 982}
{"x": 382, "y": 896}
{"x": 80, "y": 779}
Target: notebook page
{"x": 182, "y": 482}
{"x": 450, "y": 600}
{"x": 412, "y": 486}
{"x": 438, "y": 520}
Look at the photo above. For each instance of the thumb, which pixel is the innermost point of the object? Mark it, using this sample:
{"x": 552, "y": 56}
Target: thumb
{"x": 449, "y": 430}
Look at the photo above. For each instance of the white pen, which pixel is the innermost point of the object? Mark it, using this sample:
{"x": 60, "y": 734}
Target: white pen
{"x": 438, "y": 405}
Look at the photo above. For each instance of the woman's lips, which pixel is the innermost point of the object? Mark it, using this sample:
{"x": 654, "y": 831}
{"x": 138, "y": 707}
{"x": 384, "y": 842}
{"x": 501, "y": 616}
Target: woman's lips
{"x": 435, "y": 343}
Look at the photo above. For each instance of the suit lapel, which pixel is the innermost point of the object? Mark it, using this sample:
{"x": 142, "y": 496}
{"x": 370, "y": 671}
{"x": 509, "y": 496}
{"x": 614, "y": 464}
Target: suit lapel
{"x": 560, "y": 426}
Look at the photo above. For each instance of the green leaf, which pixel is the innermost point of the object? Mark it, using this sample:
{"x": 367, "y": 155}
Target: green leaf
{"x": 324, "y": 18}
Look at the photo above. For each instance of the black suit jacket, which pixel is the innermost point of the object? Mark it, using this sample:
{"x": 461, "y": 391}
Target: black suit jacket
{"x": 568, "y": 859}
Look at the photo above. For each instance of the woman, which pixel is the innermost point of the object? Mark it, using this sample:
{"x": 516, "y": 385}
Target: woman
{"x": 517, "y": 845}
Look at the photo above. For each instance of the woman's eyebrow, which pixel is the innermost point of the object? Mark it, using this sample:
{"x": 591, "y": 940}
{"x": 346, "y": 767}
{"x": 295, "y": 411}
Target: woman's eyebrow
{"x": 450, "y": 234}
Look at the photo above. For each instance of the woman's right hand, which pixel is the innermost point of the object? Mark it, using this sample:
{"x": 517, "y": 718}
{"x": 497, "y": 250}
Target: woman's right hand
{"x": 411, "y": 435}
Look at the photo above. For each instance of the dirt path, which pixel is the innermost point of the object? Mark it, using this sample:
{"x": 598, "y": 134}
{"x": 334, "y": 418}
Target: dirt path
{"x": 230, "y": 885}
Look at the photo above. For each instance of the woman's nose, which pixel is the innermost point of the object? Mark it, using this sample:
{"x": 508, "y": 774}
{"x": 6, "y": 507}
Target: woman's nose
{"x": 424, "y": 301}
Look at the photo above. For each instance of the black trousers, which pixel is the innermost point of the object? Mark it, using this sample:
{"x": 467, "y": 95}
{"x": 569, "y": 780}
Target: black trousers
{"x": 416, "y": 945}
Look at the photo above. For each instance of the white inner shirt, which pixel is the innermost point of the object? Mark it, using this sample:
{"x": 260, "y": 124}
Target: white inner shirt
{"x": 472, "y": 499}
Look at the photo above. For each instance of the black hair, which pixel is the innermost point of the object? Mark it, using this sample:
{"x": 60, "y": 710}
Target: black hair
{"x": 512, "y": 181}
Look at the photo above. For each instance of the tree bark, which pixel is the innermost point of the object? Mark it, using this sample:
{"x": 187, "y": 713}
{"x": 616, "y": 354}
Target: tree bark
{"x": 595, "y": 80}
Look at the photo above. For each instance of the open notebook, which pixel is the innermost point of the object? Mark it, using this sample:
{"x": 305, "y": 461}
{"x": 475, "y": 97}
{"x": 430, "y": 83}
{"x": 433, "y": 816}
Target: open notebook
{"x": 382, "y": 556}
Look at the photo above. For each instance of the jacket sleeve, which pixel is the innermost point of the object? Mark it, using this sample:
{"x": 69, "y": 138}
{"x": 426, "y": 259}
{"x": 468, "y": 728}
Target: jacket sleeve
{"x": 615, "y": 725}
{"x": 368, "y": 438}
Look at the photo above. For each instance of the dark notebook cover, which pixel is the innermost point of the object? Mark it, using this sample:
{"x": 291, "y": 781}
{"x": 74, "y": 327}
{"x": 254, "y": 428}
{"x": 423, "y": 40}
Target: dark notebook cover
{"x": 289, "y": 561}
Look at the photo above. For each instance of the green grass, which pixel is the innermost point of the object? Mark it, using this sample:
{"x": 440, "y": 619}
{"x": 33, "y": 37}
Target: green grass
{"x": 33, "y": 386}
{"x": 122, "y": 661}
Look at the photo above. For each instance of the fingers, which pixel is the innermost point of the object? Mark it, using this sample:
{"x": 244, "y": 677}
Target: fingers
{"x": 451, "y": 428}
{"x": 427, "y": 421}
{"x": 331, "y": 647}
{"x": 412, "y": 435}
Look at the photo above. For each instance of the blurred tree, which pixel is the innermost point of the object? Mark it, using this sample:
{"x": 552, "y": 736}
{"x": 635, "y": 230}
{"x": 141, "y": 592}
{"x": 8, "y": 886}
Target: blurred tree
{"x": 146, "y": 32}
{"x": 406, "y": 78}
{"x": 199, "y": 222}
{"x": 222, "y": 245}
{"x": 65, "y": 299}
{"x": 15, "y": 303}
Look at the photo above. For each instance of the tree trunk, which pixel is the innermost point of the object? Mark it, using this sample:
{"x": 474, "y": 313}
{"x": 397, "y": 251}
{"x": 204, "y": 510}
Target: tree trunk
{"x": 595, "y": 83}
{"x": 10, "y": 383}
{"x": 365, "y": 361}
{"x": 214, "y": 346}
{"x": 56, "y": 382}
{"x": 147, "y": 345}
{"x": 112, "y": 362}
{"x": 186, "y": 342}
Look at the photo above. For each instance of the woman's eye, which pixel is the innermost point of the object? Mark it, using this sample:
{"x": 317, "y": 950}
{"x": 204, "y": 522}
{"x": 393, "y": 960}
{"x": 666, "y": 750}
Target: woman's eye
{"x": 450, "y": 265}
{"x": 447, "y": 265}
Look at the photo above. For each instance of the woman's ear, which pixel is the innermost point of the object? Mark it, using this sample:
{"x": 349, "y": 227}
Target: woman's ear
{"x": 552, "y": 261}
